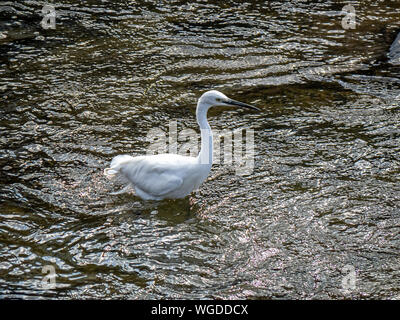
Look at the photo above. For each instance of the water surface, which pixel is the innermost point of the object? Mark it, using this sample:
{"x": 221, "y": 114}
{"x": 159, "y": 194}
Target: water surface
{"x": 324, "y": 193}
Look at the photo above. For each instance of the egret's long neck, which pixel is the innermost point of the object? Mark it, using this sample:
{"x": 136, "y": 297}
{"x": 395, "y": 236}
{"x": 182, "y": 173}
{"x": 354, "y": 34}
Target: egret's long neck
{"x": 206, "y": 152}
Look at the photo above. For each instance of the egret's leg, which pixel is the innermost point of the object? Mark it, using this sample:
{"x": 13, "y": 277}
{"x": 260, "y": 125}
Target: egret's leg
{"x": 124, "y": 190}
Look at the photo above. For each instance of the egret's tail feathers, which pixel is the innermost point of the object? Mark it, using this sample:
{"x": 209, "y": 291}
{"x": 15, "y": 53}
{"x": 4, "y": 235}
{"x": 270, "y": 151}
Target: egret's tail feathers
{"x": 116, "y": 164}
{"x": 110, "y": 172}
{"x": 124, "y": 190}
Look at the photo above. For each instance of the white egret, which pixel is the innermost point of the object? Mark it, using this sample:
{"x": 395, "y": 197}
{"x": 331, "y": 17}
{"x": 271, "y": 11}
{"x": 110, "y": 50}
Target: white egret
{"x": 173, "y": 176}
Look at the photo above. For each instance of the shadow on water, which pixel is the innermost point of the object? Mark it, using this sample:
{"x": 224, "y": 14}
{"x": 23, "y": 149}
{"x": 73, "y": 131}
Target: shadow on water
{"x": 172, "y": 211}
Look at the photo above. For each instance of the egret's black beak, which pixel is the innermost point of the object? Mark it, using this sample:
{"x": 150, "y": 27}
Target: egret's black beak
{"x": 241, "y": 104}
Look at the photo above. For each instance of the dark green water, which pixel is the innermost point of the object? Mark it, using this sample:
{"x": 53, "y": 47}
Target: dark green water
{"x": 325, "y": 190}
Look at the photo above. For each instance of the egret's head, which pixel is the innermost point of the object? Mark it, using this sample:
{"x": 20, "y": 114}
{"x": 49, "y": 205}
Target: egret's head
{"x": 215, "y": 98}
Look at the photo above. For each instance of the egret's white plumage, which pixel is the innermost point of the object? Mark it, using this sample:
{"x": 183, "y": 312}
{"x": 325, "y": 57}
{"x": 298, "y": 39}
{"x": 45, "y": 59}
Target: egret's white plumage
{"x": 172, "y": 176}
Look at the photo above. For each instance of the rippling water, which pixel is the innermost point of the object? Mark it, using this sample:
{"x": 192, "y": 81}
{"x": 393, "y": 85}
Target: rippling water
{"x": 321, "y": 205}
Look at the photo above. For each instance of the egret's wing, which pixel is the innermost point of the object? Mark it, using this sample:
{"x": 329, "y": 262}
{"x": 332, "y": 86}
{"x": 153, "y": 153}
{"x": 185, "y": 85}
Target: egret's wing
{"x": 155, "y": 176}
{"x": 157, "y": 184}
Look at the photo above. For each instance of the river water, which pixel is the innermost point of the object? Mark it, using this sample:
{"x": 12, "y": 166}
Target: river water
{"x": 316, "y": 218}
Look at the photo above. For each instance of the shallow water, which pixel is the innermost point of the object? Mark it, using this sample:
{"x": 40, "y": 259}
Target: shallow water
{"x": 320, "y": 207}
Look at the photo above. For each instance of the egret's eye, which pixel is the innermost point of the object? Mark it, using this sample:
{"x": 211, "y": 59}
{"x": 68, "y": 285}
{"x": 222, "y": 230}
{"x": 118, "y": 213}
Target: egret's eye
{"x": 218, "y": 99}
